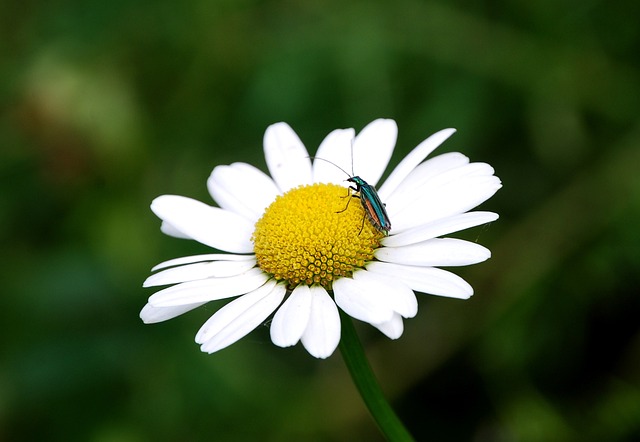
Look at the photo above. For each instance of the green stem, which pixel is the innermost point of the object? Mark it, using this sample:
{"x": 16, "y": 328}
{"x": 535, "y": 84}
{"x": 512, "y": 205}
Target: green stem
{"x": 365, "y": 380}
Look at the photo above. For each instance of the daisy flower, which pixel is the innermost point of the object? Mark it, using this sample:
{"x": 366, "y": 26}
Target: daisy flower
{"x": 299, "y": 243}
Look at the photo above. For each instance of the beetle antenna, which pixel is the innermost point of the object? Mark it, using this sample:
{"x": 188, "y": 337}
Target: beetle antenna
{"x": 331, "y": 162}
{"x": 352, "y": 172}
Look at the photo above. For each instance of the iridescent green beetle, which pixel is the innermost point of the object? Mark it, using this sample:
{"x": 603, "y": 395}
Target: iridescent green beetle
{"x": 374, "y": 209}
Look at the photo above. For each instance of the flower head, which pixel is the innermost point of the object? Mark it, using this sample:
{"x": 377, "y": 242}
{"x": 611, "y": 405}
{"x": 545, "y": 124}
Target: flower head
{"x": 301, "y": 242}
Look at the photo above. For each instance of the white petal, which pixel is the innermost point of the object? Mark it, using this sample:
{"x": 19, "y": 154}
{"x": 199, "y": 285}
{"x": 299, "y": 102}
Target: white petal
{"x": 336, "y": 149}
{"x": 236, "y": 319}
{"x": 209, "y": 289}
{"x": 170, "y": 230}
{"x": 426, "y": 171}
{"x": 447, "y": 201}
{"x": 362, "y": 300}
{"x": 411, "y": 161}
{"x": 230, "y": 312}
{"x": 287, "y": 158}
{"x": 439, "y": 227}
{"x": 424, "y": 184}
{"x": 290, "y": 321}
{"x": 435, "y": 252}
{"x": 393, "y": 328}
{"x": 242, "y": 189}
{"x": 322, "y": 335}
{"x": 396, "y": 294}
{"x": 372, "y": 149}
{"x": 200, "y": 270}
{"x": 211, "y": 226}
{"x": 423, "y": 181}
{"x": 151, "y": 314}
{"x": 200, "y": 258}
{"x": 425, "y": 279}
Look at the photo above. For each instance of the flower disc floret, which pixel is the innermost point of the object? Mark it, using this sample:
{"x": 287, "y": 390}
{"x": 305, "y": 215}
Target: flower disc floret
{"x": 314, "y": 234}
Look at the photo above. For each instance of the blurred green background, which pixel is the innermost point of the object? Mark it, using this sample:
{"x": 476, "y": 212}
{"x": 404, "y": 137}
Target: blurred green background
{"x": 106, "y": 105}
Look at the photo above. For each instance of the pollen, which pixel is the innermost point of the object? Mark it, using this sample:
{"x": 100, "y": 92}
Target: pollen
{"x": 314, "y": 234}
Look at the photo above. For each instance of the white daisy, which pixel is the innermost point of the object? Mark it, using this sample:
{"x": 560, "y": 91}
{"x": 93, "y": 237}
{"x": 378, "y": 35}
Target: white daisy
{"x": 298, "y": 245}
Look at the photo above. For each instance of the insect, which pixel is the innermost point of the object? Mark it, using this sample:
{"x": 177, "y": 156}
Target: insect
{"x": 374, "y": 209}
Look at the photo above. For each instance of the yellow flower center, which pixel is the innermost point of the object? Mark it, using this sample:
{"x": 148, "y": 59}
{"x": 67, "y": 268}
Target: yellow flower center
{"x": 313, "y": 235}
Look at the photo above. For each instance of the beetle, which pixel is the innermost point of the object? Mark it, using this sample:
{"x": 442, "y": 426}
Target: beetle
{"x": 374, "y": 209}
